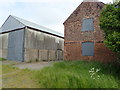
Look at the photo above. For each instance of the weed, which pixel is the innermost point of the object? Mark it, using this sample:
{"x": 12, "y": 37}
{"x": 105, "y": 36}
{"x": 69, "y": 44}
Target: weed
{"x": 76, "y": 74}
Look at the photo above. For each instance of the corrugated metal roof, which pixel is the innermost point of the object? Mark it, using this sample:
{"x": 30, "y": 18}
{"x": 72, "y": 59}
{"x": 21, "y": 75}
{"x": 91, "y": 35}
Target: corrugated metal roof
{"x": 0, "y": 30}
{"x": 36, "y": 26}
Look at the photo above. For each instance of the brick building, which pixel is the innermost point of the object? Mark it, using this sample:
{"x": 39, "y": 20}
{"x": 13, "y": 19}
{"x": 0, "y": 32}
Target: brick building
{"x": 83, "y": 36}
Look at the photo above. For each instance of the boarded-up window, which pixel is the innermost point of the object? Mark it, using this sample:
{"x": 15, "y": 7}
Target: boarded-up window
{"x": 87, "y": 24}
{"x": 88, "y": 49}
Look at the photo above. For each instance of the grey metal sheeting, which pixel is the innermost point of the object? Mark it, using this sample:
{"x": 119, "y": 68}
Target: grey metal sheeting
{"x": 14, "y": 22}
{"x": 16, "y": 46}
{"x": 88, "y": 49}
{"x": 87, "y": 24}
{"x": 36, "y": 26}
{"x": 39, "y": 40}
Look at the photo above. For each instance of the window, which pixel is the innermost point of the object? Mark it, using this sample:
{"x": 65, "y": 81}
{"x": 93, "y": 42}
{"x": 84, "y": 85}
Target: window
{"x": 87, "y": 24}
{"x": 88, "y": 49}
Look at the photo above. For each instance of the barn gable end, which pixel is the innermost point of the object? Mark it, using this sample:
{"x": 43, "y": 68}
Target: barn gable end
{"x": 83, "y": 35}
{"x": 11, "y": 24}
{"x": 85, "y": 9}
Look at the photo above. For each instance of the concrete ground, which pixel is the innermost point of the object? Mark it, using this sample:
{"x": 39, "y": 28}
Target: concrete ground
{"x": 11, "y": 62}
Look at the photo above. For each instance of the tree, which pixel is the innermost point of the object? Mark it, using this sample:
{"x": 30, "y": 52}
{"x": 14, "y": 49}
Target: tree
{"x": 110, "y": 23}
{"x": 116, "y": 1}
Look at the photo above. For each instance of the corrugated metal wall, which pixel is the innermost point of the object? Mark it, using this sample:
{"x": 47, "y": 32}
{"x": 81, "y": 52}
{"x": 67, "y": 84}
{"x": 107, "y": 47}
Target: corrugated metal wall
{"x": 16, "y": 45}
{"x": 41, "y": 46}
{"x": 39, "y": 40}
{"x": 3, "y": 45}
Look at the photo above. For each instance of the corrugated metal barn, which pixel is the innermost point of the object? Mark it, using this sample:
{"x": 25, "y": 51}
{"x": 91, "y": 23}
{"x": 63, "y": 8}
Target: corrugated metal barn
{"x": 83, "y": 35}
{"x": 26, "y": 41}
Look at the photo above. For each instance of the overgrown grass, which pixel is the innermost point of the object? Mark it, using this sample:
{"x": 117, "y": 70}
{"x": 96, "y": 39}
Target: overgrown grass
{"x": 75, "y": 74}
{"x": 66, "y": 74}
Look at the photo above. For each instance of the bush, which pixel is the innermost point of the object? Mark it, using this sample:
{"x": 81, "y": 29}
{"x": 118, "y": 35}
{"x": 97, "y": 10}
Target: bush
{"x": 113, "y": 42}
{"x": 110, "y": 23}
{"x": 109, "y": 20}
{"x": 2, "y": 59}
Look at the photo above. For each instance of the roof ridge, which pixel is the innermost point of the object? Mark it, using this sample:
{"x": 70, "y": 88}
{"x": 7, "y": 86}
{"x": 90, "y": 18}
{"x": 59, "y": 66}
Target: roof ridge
{"x": 36, "y": 26}
{"x": 17, "y": 19}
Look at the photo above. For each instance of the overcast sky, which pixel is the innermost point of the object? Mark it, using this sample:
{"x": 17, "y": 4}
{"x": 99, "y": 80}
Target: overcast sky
{"x": 48, "y": 13}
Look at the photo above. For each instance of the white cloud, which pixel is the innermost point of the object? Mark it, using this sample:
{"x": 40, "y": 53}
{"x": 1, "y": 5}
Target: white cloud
{"x": 40, "y": 1}
{"x": 49, "y": 1}
{"x": 49, "y": 13}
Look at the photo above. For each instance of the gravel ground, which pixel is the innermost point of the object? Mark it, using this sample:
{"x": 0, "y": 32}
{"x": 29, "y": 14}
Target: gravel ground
{"x": 34, "y": 66}
{"x": 11, "y": 62}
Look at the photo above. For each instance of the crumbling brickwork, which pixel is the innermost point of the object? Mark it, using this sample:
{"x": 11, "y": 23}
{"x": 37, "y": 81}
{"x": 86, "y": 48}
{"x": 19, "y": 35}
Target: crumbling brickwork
{"x": 74, "y": 36}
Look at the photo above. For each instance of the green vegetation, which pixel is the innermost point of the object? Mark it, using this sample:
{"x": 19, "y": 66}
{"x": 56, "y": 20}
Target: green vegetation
{"x": 16, "y": 78}
{"x": 66, "y": 74}
{"x": 0, "y": 76}
{"x": 79, "y": 74}
{"x": 110, "y": 23}
{"x": 2, "y": 59}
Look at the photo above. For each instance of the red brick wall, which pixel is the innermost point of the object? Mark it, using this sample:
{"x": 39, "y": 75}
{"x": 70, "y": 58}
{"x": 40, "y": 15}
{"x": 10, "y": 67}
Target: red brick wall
{"x": 74, "y": 37}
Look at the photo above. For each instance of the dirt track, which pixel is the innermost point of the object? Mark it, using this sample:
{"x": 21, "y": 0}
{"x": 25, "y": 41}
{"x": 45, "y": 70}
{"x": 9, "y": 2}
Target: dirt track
{"x": 33, "y": 66}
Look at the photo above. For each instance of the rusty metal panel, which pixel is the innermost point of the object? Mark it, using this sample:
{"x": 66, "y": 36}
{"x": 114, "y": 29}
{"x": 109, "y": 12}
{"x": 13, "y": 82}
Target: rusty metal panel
{"x": 88, "y": 49}
{"x": 16, "y": 46}
{"x": 87, "y": 24}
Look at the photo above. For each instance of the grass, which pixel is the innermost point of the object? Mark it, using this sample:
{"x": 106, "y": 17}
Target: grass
{"x": 0, "y": 75}
{"x": 16, "y": 78}
{"x": 66, "y": 74}
{"x": 2, "y": 59}
{"x": 75, "y": 74}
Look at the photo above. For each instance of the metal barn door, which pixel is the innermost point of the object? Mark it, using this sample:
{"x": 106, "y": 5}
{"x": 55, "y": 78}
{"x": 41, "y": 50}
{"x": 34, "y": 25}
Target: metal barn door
{"x": 59, "y": 55}
{"x": 16, "y": 46}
